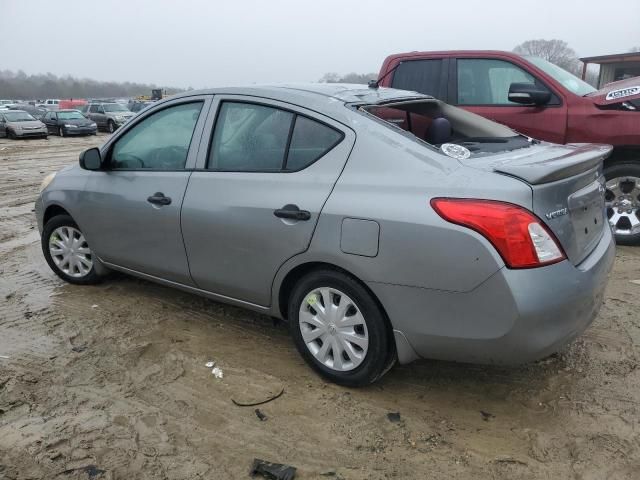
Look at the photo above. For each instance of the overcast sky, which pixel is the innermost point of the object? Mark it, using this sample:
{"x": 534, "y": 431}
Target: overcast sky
{"x": 203, "y": 43}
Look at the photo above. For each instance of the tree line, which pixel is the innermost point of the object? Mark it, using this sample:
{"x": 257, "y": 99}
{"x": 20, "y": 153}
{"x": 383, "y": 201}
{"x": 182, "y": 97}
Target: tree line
{"x": 20, "y": 86}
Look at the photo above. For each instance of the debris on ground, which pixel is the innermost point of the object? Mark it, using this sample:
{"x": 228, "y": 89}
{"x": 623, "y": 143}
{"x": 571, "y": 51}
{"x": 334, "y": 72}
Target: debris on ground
{"x": 94, "y": 305}
{"x": 254, "y": 404}
{"x": 79, "y": 348}
{"x": 393, "y": 417}
{"x": 210, "y": 364}
{"x": 273, "y": 471}
{"x": 217, "y": 372}
{"x": 635, "y": 282}
{"x": 4, "y": 356}
{"x": 486, "y": 415}
{"x": 260, "y": 415}
{"x": 508, "y": 459}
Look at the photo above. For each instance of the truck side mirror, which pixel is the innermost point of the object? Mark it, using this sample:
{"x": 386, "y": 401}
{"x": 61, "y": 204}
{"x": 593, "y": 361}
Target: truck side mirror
{"x": 91, "y": 159}
{"x": 528, "y": 94}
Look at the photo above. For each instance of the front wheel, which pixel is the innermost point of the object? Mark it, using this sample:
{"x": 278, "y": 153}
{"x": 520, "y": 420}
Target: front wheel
{"x": 339, "y": 329}
{"x": 111, "y": 127}
{"x": 622, "y": 201}
{"x": 60, "y": 131}
{"x": 67, "y": 251}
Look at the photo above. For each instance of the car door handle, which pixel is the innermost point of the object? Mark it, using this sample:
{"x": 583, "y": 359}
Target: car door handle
{"x": 292, "y": 212}
{"x": 158, "y": 198}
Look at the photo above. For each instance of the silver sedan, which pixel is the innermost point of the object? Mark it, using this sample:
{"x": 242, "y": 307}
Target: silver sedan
{"x": 383, "y": 225}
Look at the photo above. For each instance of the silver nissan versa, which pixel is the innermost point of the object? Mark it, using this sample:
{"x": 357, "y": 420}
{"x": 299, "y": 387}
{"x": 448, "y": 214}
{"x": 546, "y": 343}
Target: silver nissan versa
{"x": 382, "y": 224}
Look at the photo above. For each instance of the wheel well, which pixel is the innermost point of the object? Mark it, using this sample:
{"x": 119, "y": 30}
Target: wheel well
{"x": 53, "y": 211}
{"x": 626, "y": 153}
{"x": 286, "y": 288}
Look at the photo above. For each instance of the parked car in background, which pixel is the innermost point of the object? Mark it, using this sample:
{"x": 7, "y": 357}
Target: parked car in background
{"x": 35, "y": 112}
{"x": 19, "y": 124}
{"x": 137, "y": 105}
{"x": 50, "y": 104}
{"x": 4, "y": 103}
{"x": 71, "y": 103}
{"x": 541, "y": 100}
{"x": 478, "y": 245}
{"x": 108, "y": 116}
{"x": 69, "y": 122}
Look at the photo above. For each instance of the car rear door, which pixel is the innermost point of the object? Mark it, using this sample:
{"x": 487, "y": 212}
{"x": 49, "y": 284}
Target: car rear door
{"x": 130, "y": 212}
{"x": 50, "y": 120}
{"x": 264, "y": 173}
{"x": 482, "y": 87}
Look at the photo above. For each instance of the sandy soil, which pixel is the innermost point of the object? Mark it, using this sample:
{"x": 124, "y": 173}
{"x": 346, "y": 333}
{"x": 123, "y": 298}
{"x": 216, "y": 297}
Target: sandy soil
{"x": 110, "y": 382}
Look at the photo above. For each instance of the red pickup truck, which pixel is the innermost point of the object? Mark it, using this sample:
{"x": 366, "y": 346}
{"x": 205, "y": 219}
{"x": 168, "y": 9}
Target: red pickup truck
{"x": 542, "y": 101}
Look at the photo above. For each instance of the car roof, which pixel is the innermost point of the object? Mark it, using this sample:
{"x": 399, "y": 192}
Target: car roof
{"x": 324, "y": 98}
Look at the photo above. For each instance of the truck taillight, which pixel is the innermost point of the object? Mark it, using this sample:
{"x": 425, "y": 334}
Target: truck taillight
{"x": 520, "y": 238}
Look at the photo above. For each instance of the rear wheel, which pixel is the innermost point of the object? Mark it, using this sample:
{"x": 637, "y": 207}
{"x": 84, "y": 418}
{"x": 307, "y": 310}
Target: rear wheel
{"x": 339, "y": 329}
{"x": 622, "y": 200}
{"x": 67, "y": 251}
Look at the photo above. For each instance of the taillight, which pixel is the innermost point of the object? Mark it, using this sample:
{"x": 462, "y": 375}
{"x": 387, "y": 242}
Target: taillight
{"x": 521, "y": 239}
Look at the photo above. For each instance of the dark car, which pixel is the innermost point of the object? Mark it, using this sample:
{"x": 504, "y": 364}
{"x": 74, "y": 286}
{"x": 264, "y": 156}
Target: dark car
{"x": 69, "y": 122}
{"x": 35, "y": 112}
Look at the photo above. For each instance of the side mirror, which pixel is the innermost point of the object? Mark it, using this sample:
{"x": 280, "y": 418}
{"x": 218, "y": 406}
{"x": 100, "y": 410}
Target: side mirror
{"x": 528, "y": 94}
{"x": 91, "y": 159}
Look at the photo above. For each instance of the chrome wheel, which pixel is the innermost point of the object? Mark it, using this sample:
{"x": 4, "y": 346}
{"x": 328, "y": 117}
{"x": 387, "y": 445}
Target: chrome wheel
{"x": 70, "y": 252}
{"x": 622, "y": 200}
{"x": 333, "y": 329}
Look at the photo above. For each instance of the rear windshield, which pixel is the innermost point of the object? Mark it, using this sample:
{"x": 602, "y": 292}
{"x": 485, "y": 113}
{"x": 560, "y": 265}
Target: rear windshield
{"x": 437, "y": 123}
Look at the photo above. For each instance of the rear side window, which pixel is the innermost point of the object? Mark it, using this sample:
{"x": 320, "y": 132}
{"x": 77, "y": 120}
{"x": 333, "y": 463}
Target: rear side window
{"x": 258, "y": 138}
{"x": 486, "y": 81}
{"x": 310, "y": 141}
{"x": 422, "y": 76}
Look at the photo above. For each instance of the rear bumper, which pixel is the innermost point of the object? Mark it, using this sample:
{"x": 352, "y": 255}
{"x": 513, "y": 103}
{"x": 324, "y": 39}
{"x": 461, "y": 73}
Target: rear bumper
{"x": 516, "y": 316}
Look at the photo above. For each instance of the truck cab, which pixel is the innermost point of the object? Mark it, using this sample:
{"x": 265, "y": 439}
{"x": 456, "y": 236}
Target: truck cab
{"x": 540, "y": 100}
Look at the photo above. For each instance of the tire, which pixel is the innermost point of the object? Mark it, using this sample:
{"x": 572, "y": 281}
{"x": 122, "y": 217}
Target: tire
{"x": 358, "y": 366}
{"x": 622, "y": 199}
{"x": 11, "y": 135}
{"x": 111, "y": 127}
{"x": 60, "y": 132}
{"x": 51, "y": 228}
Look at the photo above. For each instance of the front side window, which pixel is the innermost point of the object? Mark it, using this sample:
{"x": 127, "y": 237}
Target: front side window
{"x": 249, "y": 137}
{"x": 94, "y": 108}
{"x": 483, "y": 81}
{"x": 422, "y": 76}
{"x": 159, "y": 142}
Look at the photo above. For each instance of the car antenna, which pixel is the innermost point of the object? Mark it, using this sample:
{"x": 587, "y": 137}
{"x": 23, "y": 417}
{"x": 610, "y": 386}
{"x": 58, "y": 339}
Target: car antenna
{"x": 375, "y": 84}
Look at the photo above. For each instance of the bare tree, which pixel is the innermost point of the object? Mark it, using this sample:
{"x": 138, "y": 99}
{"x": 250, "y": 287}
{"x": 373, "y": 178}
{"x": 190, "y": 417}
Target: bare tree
{"x": 634, "y": 49}
{"x": 555, "y": 51}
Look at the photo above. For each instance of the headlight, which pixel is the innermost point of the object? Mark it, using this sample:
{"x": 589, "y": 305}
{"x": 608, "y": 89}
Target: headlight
{"x": 93, "y": 125}
{"x": 70, "y": 126}
{"x": 119, "y": 118}
{"x": 47, "y": 180}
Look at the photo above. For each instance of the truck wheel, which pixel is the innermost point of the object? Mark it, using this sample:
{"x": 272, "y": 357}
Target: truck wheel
{"x": 111, "y": 127}
{"x": 622, "y": 200}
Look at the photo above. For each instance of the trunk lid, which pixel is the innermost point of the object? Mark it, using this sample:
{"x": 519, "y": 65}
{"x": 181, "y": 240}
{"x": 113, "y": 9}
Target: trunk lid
{"x": 567, "y": 186}
{"x": 616, "y": 92}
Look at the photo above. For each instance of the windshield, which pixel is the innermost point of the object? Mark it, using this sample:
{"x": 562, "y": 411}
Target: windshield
{"x": 566, "y": 79}
{"x": 18, "y": 117}
{"x": 114, "y": 107}
{"x": 69, "y": 115}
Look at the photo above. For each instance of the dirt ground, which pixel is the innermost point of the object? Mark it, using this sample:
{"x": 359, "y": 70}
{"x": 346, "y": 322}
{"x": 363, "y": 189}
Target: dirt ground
{"x": 109, "y": 382}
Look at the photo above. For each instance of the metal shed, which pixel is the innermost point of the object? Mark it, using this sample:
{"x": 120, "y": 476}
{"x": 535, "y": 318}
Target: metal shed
{"x": 614, "y": 67}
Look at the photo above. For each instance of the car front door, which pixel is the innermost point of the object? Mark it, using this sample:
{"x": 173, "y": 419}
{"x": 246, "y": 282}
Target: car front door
{"x": 96, "y": 113}
{"x": 130, "y": 212}
{"x": 262, "y": 179}
{"x": 50, "y": 121}
{"x": 483, "y": 88}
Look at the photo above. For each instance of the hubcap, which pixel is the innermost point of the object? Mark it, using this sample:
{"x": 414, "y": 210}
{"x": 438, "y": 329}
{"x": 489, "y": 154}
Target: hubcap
{"x": 333, "y": 329}
{"x": 70, "y": 251}
{"x": 622, "y": 200}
